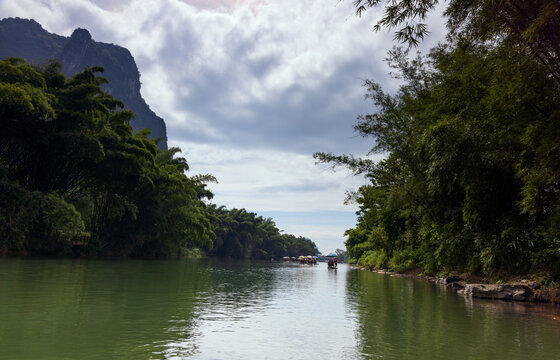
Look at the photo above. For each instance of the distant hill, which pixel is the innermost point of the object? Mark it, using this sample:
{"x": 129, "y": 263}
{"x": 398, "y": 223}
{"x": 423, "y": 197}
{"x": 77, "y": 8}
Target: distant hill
{"x": 27, "y": 39}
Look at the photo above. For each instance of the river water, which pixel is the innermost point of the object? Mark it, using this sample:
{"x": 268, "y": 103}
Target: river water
{"x": 210, "y": 309}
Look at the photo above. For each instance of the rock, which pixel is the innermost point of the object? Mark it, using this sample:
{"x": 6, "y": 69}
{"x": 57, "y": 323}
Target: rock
{"x": 499, "y": 292}
{"x": 532, "y": 284}
{"x": 458, "y": 285}
{"x": 447, "y": 281}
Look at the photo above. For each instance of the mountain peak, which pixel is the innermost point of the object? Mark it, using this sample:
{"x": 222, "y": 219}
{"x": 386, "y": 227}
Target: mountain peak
{"x": 81, "y": 35}
{"x": 76, "y": 52}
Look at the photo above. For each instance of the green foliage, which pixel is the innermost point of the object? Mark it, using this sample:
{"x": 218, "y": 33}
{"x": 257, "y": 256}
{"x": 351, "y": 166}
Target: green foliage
{"x": 406, "y": 13}
{"x": 19, "y": 211}
{"x": 471, "y": 173}
{"x": 242, "y": 235}
{"x": 33, "y": 222}
{"x": 374, "y": 259}
{"x": 402, "y": 260}
{"x": 61, "y": 217}
{"x": 55, "y": 229}
{"x": 72, "y": 167}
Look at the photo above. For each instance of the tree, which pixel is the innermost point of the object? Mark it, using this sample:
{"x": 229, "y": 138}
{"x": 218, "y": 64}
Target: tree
{"x": 453, "y": 190}
{"x": 71, "y": 166}
{"x": 533, "y": 27}
{"x": 241, "y": 234}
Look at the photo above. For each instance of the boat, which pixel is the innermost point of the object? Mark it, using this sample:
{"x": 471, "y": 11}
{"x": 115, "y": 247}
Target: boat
{"x": 332, "y": 261}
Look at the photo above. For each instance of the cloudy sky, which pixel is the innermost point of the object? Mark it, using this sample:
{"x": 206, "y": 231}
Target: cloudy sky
{"x": 249, "y": 90}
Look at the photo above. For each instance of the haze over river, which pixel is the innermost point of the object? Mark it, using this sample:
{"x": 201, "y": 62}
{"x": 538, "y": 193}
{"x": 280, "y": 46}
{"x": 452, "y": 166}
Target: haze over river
{"x": 215, "y": 309}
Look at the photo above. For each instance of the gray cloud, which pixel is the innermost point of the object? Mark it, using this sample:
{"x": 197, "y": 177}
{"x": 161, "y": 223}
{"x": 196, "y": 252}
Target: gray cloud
{"x": 250, "y": 84}
{"x": 299, "y": 119}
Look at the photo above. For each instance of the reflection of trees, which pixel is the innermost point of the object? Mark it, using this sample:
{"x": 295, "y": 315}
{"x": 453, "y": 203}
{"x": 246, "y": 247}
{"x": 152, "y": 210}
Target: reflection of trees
{"x": 81, "y": 309}
{"x": 402, "y": 318}
{"x": 122, "y": 309}
{"x": 234, "y": 287}
{"x": 513, "y": 308}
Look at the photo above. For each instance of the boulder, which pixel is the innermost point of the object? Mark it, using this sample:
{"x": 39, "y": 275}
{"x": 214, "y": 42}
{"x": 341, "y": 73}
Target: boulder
{"x": 499, "y": 292}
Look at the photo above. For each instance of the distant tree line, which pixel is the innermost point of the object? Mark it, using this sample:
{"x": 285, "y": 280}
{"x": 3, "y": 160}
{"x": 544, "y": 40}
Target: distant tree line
{"x": 76, "y": 179}
{"x": 243, "y": 234}
{"x": 470, "y": 179}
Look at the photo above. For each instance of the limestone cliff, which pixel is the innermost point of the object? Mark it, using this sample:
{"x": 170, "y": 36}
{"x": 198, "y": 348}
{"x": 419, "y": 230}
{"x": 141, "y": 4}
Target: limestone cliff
{"x": 27, "y": 39}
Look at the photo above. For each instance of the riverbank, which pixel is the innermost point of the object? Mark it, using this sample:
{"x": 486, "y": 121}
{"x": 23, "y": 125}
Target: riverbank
{"x": 513, "y": 289}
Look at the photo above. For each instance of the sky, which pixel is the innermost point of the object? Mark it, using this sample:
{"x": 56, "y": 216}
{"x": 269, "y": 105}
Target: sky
{"x": 249, "y": 90}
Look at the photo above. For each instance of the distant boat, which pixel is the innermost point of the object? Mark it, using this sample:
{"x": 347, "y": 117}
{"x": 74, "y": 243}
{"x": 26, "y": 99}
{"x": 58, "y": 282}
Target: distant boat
{"x": 311, "y": 260}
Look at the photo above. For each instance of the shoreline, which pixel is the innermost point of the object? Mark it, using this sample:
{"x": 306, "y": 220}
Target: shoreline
{"x": 522, "y": 290}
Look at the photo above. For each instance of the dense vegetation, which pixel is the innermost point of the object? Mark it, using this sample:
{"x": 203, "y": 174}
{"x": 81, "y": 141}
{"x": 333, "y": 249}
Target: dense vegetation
{"x": 242, "y": 234}
{"x": 470, "y": 178}
{"x": 75, "y": 178}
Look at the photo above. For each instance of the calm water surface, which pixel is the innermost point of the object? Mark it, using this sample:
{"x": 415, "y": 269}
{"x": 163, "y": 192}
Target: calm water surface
{"x": 204, "y": 309}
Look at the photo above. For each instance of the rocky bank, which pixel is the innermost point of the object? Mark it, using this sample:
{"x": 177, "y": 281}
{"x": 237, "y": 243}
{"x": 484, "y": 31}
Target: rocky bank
{"x": 518, "y": 290}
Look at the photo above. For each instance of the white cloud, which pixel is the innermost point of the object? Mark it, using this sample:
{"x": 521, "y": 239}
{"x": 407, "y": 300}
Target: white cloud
{"x": 264, "y": 180}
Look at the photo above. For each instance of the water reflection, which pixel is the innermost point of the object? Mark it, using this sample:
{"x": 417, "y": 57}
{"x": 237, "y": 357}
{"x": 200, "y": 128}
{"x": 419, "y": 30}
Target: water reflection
{"x": 89, "y": 309}
{"x": 177, "y": 309}
{"x": 405, "y": 318}
{"x": 235, "y": 288}
{"x": 275, "y": 311}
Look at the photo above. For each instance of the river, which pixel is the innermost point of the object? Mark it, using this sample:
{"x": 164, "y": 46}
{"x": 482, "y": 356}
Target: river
{"x": 215, "y": 309}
